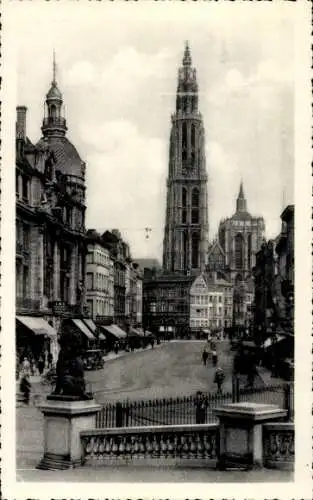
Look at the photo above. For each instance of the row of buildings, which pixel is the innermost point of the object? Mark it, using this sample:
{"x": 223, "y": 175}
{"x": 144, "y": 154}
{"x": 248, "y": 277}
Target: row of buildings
{"x": 66, "y": 277}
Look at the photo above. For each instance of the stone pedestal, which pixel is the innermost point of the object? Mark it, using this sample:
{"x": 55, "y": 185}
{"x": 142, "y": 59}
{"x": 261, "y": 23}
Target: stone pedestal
{"x": 240, "y": 441}
{"x": 63, "y": 422}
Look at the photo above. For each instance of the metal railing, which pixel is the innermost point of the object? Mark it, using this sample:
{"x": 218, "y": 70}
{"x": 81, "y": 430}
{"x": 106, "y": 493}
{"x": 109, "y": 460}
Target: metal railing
{"x": 184, "y": 410}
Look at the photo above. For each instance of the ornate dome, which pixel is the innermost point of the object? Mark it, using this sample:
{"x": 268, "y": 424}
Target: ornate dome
{"x": 68, "y": 161}
{"x": 54, "y": 92}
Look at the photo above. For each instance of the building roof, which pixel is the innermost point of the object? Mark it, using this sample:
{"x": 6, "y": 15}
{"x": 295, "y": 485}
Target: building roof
{"x": 148, "y": 263}
{"x": 244, "y": 215}
{"x": 54, "y": 92}
{"x": 67, "y": 158}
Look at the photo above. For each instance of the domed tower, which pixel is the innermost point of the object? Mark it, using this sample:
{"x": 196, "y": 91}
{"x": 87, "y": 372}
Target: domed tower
{"x": 68, "y": 212}
{"x": 54, "y": 124}
{"x": 186, "y": 226}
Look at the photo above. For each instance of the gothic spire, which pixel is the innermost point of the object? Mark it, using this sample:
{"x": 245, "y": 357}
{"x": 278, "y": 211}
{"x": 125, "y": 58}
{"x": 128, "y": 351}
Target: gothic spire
{"x": 187, "y": 57}
{"x": 241, "y": 200}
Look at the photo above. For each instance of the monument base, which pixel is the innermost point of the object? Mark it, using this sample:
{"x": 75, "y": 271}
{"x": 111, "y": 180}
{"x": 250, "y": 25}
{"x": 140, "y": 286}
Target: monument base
{"x": 241, "y": 440}
{"x": 63, "y": 423}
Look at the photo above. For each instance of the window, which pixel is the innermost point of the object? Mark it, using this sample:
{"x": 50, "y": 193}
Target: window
{"x": 195, "y": 206}
{"x": 193, "y": 135}
{"x": 25, "y": 193}
{"x": 239, "y": 251}
{"x": 220, "y": 298}
{"x": 185, "y": 250}
{"x": 184, "y": 135}
{"x": 249, "y": 250}
{"x": 89, "y": 281}
{"x": 195, "y": 251}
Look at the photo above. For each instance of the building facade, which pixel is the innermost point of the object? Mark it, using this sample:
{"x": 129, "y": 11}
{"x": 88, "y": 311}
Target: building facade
{"x": 240, "y": 237}
{"x": 50, "y": 230}
{"x": 99, "y": 277}
{"x": 199, "y": 304}
{"x": 186, "y": 224}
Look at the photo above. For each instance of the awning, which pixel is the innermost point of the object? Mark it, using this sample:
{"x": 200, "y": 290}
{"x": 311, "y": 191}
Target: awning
{"x": 83, "y": 328}
{"x": 38, "y": 326}
{"x": 102, "y": 336}
{"x": 90, "y": 324}
{"x": 114, "y": 330}
{"x": 135, "y": 333}
{"x": 268, "y": 342}
{"x": 149, "y": 334}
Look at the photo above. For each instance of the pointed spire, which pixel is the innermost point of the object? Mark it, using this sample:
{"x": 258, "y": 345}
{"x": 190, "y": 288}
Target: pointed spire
{"x": 54, "y": 69}
{"x": 241, "y": 200}
{"x": 187, "y": 57}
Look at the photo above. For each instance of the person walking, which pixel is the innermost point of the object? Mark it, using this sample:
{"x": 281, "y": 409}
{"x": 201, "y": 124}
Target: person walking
{"x": 205, "y": 356}
{"x": 49, "y": 359}
{"x": 219, "y": 379}
{"x": 41, "y": 364}
{"x": 214, "y": 356}
{"x": 201, "y": 404}
{"x": 25, "y": 385}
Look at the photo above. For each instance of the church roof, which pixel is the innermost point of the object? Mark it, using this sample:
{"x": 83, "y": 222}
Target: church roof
{"x": 215, "y": 244}
{"x": 244, "y": 215}
{"x": 67, "y": 158}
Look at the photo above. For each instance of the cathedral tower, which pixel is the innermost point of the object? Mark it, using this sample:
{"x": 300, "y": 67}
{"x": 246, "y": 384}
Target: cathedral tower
{"x": 186, "y": 226}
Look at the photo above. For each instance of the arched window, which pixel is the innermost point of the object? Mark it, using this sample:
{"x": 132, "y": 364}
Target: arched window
{"x": 53, "y": 111}
{"x": 239, "y": 251}
{"x": 184, "y": 204}
{"x": 193, "y": 135}
{"x": 184, "y": 135}
{"x": 195, "y": 251}
{"x": 195, "y": 206}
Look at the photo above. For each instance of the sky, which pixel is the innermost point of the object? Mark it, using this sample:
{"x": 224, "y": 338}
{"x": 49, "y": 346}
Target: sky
{"x": 117, "y": 69}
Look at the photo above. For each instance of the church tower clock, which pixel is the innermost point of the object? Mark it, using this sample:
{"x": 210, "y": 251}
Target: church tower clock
{"x": 186, "y": 226}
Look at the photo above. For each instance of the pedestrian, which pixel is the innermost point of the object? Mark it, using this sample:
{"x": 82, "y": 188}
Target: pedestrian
{"x": 152, "y": 343}
{"x": 25, "y": 387}
{"x": 50, "y": 359}
{"x": 201, "y": 404}
{"x": 214, "y": 357}
{"x": 205, "y": 356}
{"x": 41, "y": 364}
{"x": 219, "y": 379}
{"x": 26, "y": 366}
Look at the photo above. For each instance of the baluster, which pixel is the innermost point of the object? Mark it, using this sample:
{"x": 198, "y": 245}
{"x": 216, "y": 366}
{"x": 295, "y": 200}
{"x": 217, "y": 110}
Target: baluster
{"x": 108, "y": 446}
{"x": 122, "y": 446}
{"x": 273, "y": 444}
{"x": 192, "y": 446}
{"x": 199, "y": 446}
{"x": 142, "y": 448}
{"x": 101, "y": 447}
{"x": 170, "y": 447}
{"x": 149, "y": 447}
{"x": 136, "y": 447}
{"x": 156, "y": 447}
{"x": 185, "y": 447}
{"x": 132, "y": 445}
{"x": 115, "y": 446}
{"x": 291, "y": 444}
{"x": 176, "y": 446}
{"x": 128, "y": 446}
{"x": 89, "y": 445}
{"x": 206, "y": 446}
{"x": 163, "y": 445}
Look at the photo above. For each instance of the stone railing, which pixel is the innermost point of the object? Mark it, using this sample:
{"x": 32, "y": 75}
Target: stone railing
{"x": 279, "y": 445}
{"x": 174, "y": 443}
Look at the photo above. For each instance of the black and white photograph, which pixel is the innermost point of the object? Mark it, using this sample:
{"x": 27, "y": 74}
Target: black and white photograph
{"x": 154, "y": 334}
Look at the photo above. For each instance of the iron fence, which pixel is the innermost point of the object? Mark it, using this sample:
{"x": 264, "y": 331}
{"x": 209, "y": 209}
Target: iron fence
{"x": 183, "y": 410}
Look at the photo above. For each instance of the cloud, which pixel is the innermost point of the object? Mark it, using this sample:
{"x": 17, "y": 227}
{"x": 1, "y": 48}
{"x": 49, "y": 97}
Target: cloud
{"x": 125, "y": 178}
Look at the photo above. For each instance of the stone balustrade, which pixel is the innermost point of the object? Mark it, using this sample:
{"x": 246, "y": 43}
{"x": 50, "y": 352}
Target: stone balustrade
{"x": 177, "y": 442}
{"x": 279, "y": 445}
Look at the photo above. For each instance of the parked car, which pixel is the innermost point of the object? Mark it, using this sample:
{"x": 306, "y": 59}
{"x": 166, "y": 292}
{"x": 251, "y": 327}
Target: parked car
{"x": 93, "y": 359}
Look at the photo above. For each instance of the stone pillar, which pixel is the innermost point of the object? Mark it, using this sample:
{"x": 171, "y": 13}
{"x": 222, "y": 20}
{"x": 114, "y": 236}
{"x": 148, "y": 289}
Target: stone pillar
{"x": 240, "y": 437}
{"x": 36, "y": 250}
{"x": 63, "y": 422}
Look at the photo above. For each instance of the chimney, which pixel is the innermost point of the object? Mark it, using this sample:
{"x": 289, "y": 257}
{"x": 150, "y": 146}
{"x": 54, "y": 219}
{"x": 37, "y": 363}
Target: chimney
{"x": 21, "y": 122}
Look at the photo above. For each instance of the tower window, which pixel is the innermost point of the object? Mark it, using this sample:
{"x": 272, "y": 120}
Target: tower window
{"x": 184, "y": 135}
{"x": 195, "y": 216}
{"x": 193, "y": 135}
{"x": 195, "y": 197}
{"x": 239, "y": 251}
{"x": 195, "y": 251}
{"x": 185, "y": 250}
{"x": 184, "y": 216}
{"x": 249, "y": 250}
{"x": 184, "y": 197}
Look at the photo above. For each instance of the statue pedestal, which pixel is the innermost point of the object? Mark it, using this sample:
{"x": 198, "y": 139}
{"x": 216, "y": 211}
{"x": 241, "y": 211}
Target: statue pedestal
{"x": 63, "y": 422}
{"x": 241, "y": 441}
